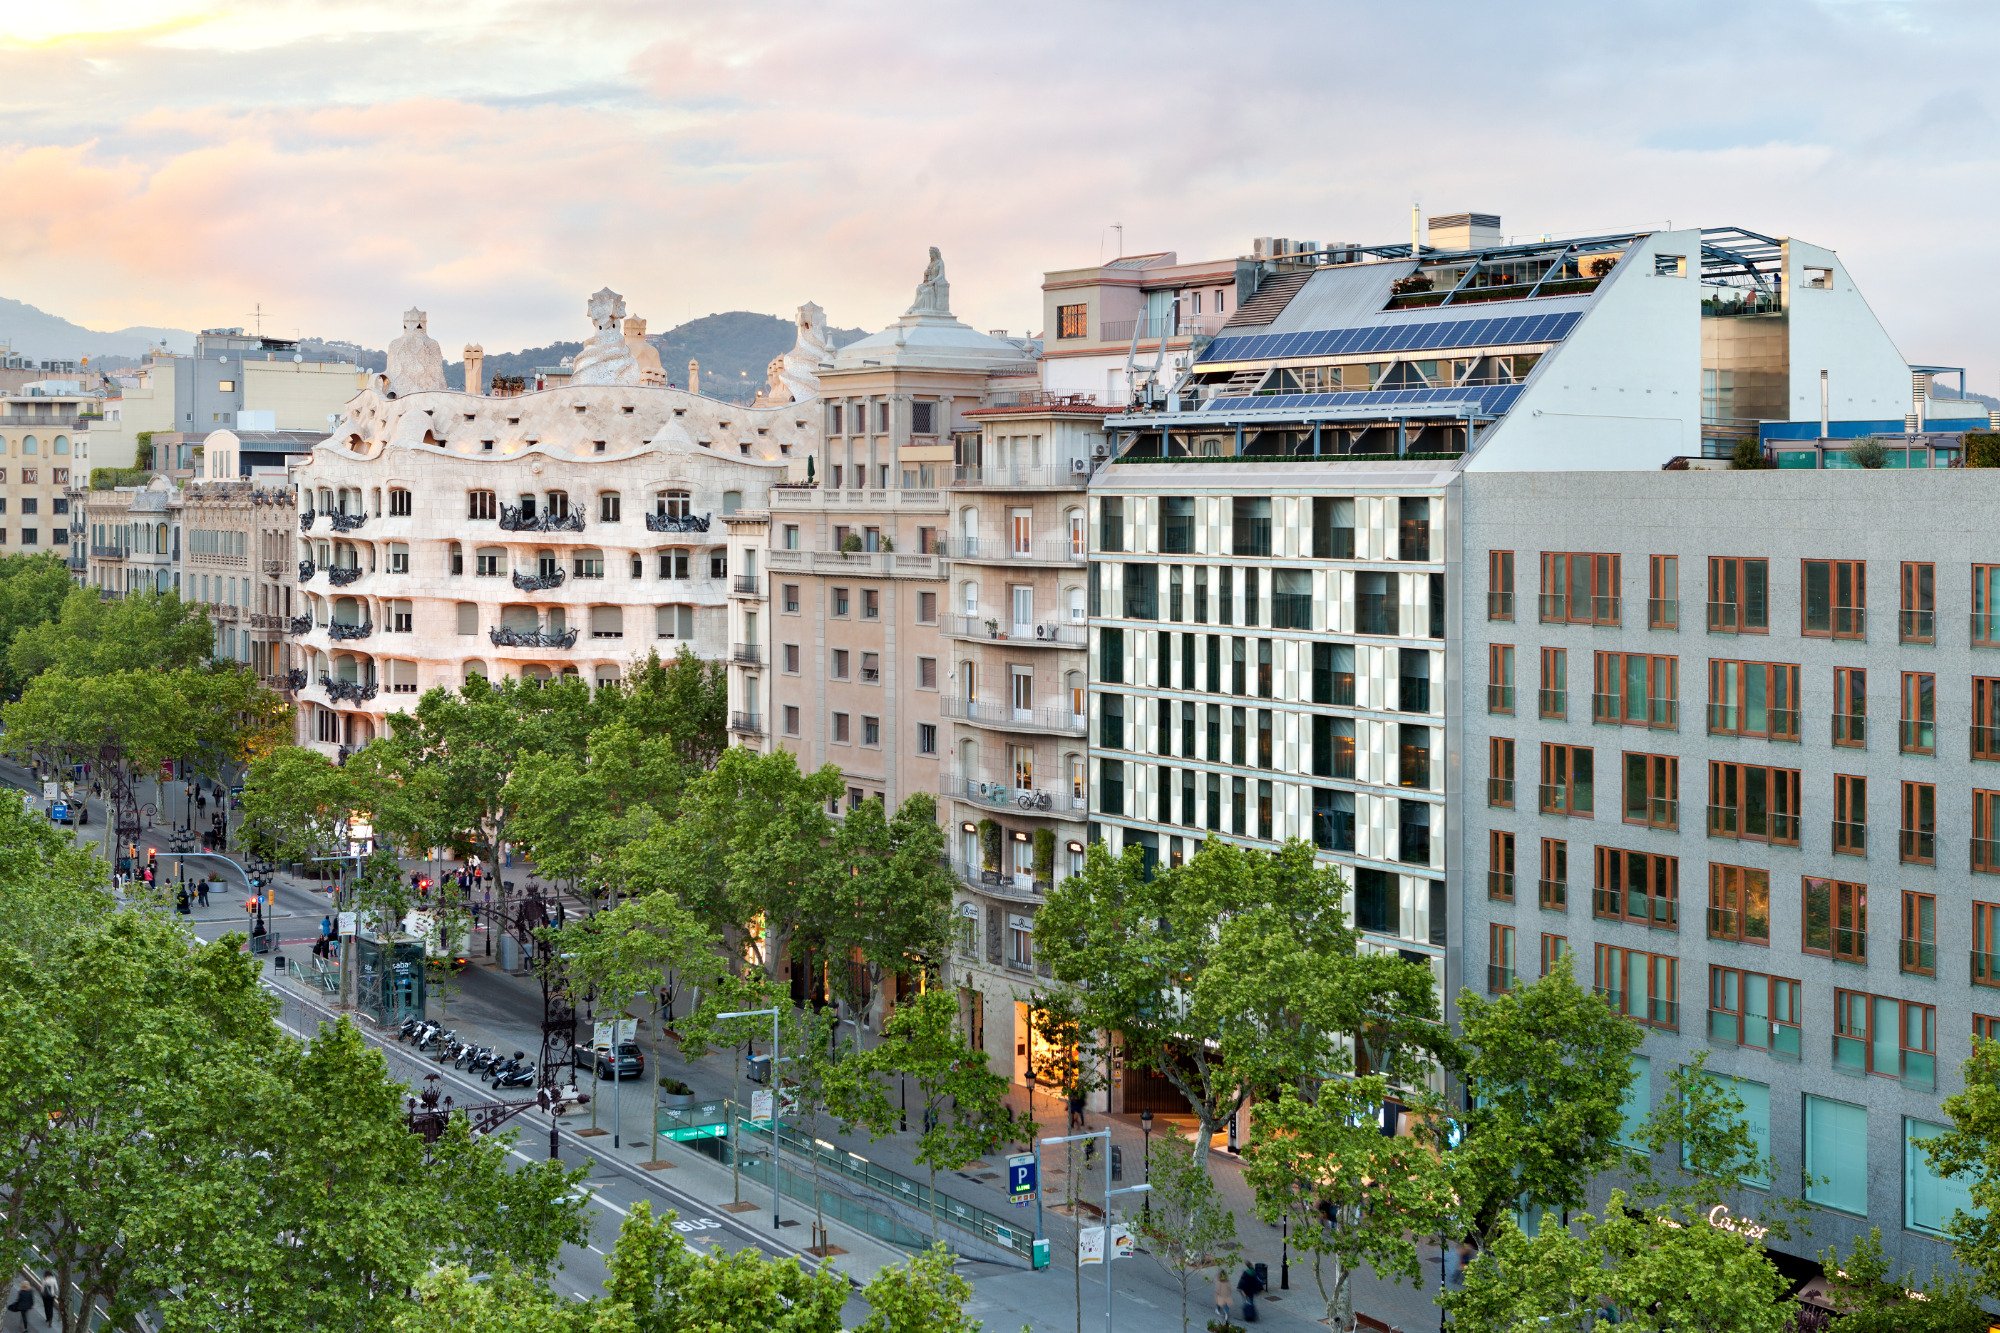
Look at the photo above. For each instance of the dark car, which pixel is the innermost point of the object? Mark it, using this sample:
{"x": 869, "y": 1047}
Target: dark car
{"x": 628, "y": 1063}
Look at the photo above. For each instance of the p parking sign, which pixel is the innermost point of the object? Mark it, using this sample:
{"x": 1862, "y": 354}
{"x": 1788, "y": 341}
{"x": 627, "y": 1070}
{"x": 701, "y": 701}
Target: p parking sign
{"x": 1021, "y": 1179}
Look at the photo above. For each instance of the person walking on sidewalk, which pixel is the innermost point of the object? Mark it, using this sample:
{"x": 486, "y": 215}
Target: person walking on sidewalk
{"x": 1076, "y": 1120}
{"x": 50, "y": 1290}
{"x": 1250, "y": 1285}
{"x": 1225, "y": 1298}
{"x": 23, "y": 1302}
{"x": 201, "y": 891}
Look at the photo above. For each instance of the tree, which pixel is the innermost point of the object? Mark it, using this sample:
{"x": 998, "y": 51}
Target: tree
{"x": 92, "y": 636}
{"x": 455, "y": 1300}
{"x": 888, "y": 897}
{"x": 963, "y": 1103}
{"x": 1351, "y": 1195}
{"x": 1545, "y": 1069}
{"x": 1640, "y": 1270}
{"x": 684, "y": 701}
{"x": 1235, "y": 971}
{"x": 920, "y": 1295}
{"x": 669, "y": 1289}
{"x": 1970, "y": 1148}
{"x": 33, "y": 591}
{"x": 296, "y": 802}
{"x": 1873, "y": 1298}
{"x": 1187, "y": 1225}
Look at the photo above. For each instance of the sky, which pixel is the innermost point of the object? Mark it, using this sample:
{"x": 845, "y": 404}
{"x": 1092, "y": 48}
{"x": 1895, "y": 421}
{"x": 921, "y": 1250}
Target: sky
{"x": 181, "y": 162}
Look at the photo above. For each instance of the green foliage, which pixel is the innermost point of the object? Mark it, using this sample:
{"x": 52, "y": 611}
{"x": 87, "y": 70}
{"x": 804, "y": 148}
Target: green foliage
{"x": 989, "y": 844}
{"x": 92, "y": 636}
{"x": 923, "y": 1295}
{"x": 851, "y": 544}
{"x": 1045, "y": 854}
{"x": 33, "y": 591}
{"x": 295, "y": 802}
{"x": 1636, "y": 1270}
{"x": 1703, "y": 1121}
{"x": 1870, "y": 453}
{"x": 1982, "y": 448}
{"x": 887, "y": 899}
{"x": 1873, "y": 1298}
{"x": 1545, "y": 1068}
{"x": 142, "y": 453}
{"x": 1747, "y": 456}
{"x": 1971, "y": 1148}
{"x": 1188, "y": 1226}
{"x": 1352, "y": 1196}
{"x": 112, "y": 478}
{"x": 664, "y": 1287}
{"x": 1237, "y": 971}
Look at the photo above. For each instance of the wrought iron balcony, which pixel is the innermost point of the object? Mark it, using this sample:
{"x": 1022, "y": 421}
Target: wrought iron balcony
{"x": 674, "y": 523}
{"x": 347, "y": 691}
{"x": 747, "y": 654}
{"x": 302, "y": 624}
{"x": 98, "y": 552}
{"x": 336, "y": 630}
{"x": 306, "y": 570}
{"x": 750, "y": 724}
{"x": 342, "y": 575}
{"x": 347, "y": 522}
{"x": 538, "y": 582}
{"x": 306, "y": 520}
{"x": 502, "y": 636}
{"x": 294, "y": 680}
{"x": 512, "y": 521}
{"x": 748, "y": 585}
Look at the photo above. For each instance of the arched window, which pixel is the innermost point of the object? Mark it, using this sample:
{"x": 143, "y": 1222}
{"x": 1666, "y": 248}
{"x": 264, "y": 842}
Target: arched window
{"x": 968, "y": 597}
{"x": 475, "y": 667}
{"x": 62, "y": 444}
{"x": 399, "y": 502}
{"x": 609, "y": 504}
{"x": 672, "y": 504}
{"x": 30, "y": 445}
{"x": 587, "y": 563}
{"x": 732, "y": 501}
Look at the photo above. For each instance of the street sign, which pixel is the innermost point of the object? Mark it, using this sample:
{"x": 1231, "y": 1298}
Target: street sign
{"x": 760, "y": 1104}
{"x": 1021, "y": 1181}
{"x": 48, "y": 791}
{"x": 347, "y": 926}
{"x": 689, "y": 1133}
{"x": 59, "y": 812}
{"x": 1090, "y": 1243}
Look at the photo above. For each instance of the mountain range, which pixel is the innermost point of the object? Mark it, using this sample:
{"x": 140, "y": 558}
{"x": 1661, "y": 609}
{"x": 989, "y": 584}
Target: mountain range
{"x": 734, "y": 347}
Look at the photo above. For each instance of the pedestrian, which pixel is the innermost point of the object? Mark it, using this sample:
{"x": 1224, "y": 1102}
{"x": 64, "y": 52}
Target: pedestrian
{"x": 50, "y": 1290}
{"x": 1225, "y": 1300}
{"x": 24, "y": 1301}
{"x": 1250, "y": 1285}
{"x": 1076, "y": 1111}
{"x": 201, "y": 891}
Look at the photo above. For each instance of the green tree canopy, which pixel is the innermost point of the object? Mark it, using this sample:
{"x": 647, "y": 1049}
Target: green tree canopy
{"x": 93, "y": 636}
{"x": 33, "y": 591}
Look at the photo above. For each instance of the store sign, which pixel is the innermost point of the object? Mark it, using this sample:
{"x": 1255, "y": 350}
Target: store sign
{"x": 1747, "y": 1227}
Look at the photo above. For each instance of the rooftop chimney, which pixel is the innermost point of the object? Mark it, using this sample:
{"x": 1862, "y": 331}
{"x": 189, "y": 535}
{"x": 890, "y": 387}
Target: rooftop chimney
{"x": 1464, "y": 231}
{"x": 475, "y": 368}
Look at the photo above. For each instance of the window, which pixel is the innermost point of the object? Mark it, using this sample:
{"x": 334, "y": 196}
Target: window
{"x": 488, "y": 562}
{"x": 1986, "y": 1027}
{"x": 790, "y": 659}
{"x": 1500, "y": 959}
{"x": 1552, "y": 699}
{"x": 1836, "y": 1155}
{"x": 1916, "y": 946}
{"x": 840, "y": 598}
{"x": 1073, "y": 321}
{"x": 1413, "y": 680}
{"x": 1645, "y": 987}
{"x": 1177, "y": 524}
{"x": 791, "y": 720}
{"x": 871, "y": 604}
{"x": 481, "y": 504}
{"x": 1552, "y": 886}
{"x": 1986, "y": 717}
{"x": 1836, "y": 919}
{"x": 923, "y": 418}
{"x": 1499, "y": 760}
{"x": 1413, "y": 528}
{"x": 674, "y": 565}
{"x": 871, "y": 668}
{"x": 1652, "y": 790}
{"x": 1930, "y": 1201}
{"x": 1374, "y": 602}
{"x": 788, "y": 594}
{"x": 1753, "y": 699}
{"x": 1638, "y": 886}
{"x": 1836, "y": 598}
{"x": 1850, "y": 707}
{"x": 1917, "y": 619}
{"x": 1663, "y": 592}
{"x": 871, "y": 730}
{"x": 1500, "y": 865}
{"x": 1739, "y": 904}
{"x": 1332, "y": 674}
{"x": 1850, "y": 814}
{"x": 840, "y": 664}
{"x": 676, "y": 505}
{"x": 1579, "y": 588}
{"x": 399, "y": 558}
{"x": 587, "y": 564}
{"x": 1879, "y": 1034}
{"x": 1499, "y": 584}
{"x": 1500, "y": 678}
{"x": 840, "y": 726}
{"x": 399, "y": 502}
{"x": 1637, "y": 1104}
{"x": 1111, "y": 523}
{"x": 1333, "y": 527}
{"x": 1332, "y": 819}
{"x": 1985, "y": 611}
{"x": 1739, "y": 600}
{"x": 399, "y": 617}
{"x": 1291, "y": 599}
{"x": 1917, "y": 835}
{"x": 926, "y": 738}
{"x": 926, "y": 673}
{"x": 1568, "y": 777}
{"x": 1919, "y": 722}
{"x": 1754, "y": 1010}
{"x": 1986, "y": 944}
{"x": 1636, "y": 689}
{"x": 607, "y": 507}
{"x": 1754, "y": 803}
{"x": 1985, "y": 831}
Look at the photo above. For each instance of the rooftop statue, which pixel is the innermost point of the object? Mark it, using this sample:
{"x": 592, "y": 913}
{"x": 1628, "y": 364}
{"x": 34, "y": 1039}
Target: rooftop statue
{"x": 416, "y": 362}
{"x": 794, "y": 377}
{"x": 605, "y": 359}
{"x": 933, "y": 293}
{"x": 644, "y": 354}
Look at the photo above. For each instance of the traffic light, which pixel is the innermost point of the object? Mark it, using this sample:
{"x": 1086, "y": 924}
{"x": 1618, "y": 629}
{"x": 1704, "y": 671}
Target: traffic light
{"x": 152, "y": 859}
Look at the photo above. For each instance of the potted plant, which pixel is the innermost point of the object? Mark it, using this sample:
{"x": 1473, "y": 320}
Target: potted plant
{"x": 992, "y": 628}
{"x": 674, "y": 1094}
{"x": 888, "y": 543}
{"x": 851, "y": 544}
{"x": 1869, "y": 453}
{"x": 989, "y": 846}
{"x": 1045, "y": 858}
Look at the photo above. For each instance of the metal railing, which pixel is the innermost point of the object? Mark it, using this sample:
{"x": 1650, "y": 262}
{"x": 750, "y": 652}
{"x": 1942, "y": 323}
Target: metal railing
{"x": 1041, "y": 551}
{"x": 747, "y": 585}
{"x": 1728, "y": 821}
{"x": 349, "y": 691}
{"x": 1655, "y": 812}
{"x": 538, "y": 582}
{"x": 1005, "y": 795}
{"x": 1007, "y": 477}
{"x": 1055, "y": 633}
{"x": 1780, "y": 724}
{"x": 1850, "y": 729}
{"x": 1730, "y": 923}
{"x": 1552, "y": 894}
{"x": 1499, "y": 698}
{"x": 746, "y": 654}
{"x": 1499, "y": 606}
{"x": 511, "y": 520}
{"x": 1850, "y": 835}
{"x": 1552, "y": 703}
{"x": 1046, "y": 718}
{"x": 337, "y": 630}
{"x": 748, "y": 723}
{"x": 1500, "y": 885}
{"x": 1985, "y": 742}
{"x": 1916, "y": 626}
{"x": 1985, "y": 968}
{"x": 98, "y": 552}
{"x": 342, "y": 575}
{"x": 1499, "y": 978}
{"x": 502, "y": 636}
{"x": 1918, "y": 735}
{"x": 1659, "y": 1012}
{"x": 1552, "y": 798}
{"x": 1918, "y": 845}
{"x": 346, "y": 522}
{"x": 657, "y": 522}
{"x": 1499, "y": 791}
{"x": 1663, "y": 613}
{"x": 1986, "y": 856}
{"x": 1841, "y": 622}
{"x": 1917, "y": 955}
{"x": 1779, "y": 1040}
{"x": 306, "y": 519}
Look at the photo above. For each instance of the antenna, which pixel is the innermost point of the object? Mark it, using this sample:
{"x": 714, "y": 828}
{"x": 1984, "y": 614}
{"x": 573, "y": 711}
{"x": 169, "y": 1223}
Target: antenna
{"x": 257, "y": 313}
{"x": 1119, "y": 227}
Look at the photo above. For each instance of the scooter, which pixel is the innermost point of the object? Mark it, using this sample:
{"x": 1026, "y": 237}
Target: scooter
{"x": 521, "y": 1076}
{"x": 441, "y": 1041}
{"x": 507, "y": 1067}
{"x": 409, "y": 1028}
{"x": 483, "y": 1061}
{"x": 467, "y": 1053}
{"x": 451, "y": 1052}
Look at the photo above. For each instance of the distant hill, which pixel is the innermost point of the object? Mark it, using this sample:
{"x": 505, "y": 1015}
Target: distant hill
{"x": 37, "y": 334}
{"x": 734, "y": 349}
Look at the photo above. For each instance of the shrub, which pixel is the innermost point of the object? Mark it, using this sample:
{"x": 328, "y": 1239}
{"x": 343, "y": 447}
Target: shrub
{"x": 989, "y": 845}
{"x": 1414, "y": 282}
{"x": 1045, "y": 854}
{"x": 850, "y": 544}
{"x": 1982, "y": 448}
{"x": 673, "y": 1087}
{"x": 1601, "y": 265}
{"x": 1747, "y": 456}
{"x": 1869, "y": 453}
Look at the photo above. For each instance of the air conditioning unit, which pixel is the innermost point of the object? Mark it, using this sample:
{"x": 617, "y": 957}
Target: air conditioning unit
{"x": 1100, "y": 451}
{"x": 1079, "y": 467}
{"x": 1042, "y": 631}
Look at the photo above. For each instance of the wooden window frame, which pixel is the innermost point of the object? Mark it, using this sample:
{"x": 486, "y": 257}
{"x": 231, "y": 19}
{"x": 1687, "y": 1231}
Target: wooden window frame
{"x": 1916, "y": 834}
{"x": 1986, "y": 606}
{"x": 1500, "y": 679}
{"x": 1850, "y": 814}
{"x": 1499, "y": 585}
{"x": 1619, "y": 996}
{"x": 1730, "y": 615}
{"x": 1986, "y": 1026}
{"x": 1608, "y": 702}
{"x": 1781, "y": 995}
{"x": 1916, "y": 620}
{"x": 1844, "y": 1009}
{"x": 1985, "y": 944}
{"x": 1552, "y": 885}
{"x": 1560, "y": 591}
{"x": 1781, "y": 698}
{"x": 1663, "y": 602}
{"x": 1917, "y": 734}
{"x": 1985, "y": 831}
{"x": 1731, "y": 892}
{"x": 1561, "y": 798}
{"x": 1500, "y": 977}
{"x": 1986, "y": 718}
{"x": 1500, "y": 865}
{"x": 1552, "y": 700}
{"x": 1850, "y": 707}
{"x": 1499, "y": 762}
{"x": 1655, "y": 877}
{"x": 1730, "y": 819}
{"x": 1916, "y": 949}
{"x": 1555, "y": 948}
{"x": 1842, "y": 622}
{"x": 1846, "y": 901}
{"x": 1660, "y": 799}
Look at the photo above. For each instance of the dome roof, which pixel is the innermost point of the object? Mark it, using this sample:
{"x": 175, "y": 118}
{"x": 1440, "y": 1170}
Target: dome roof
{"x": 931, "y": 340}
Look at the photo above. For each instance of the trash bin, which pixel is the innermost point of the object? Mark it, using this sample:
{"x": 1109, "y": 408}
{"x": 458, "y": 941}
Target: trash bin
{"x": 1263, "y": 1272}
{"x": 757, "y": 1068}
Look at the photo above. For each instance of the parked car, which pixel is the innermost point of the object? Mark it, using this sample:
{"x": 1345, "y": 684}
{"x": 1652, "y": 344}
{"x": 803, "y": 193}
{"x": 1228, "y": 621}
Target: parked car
{"x": 628, "y": 1062}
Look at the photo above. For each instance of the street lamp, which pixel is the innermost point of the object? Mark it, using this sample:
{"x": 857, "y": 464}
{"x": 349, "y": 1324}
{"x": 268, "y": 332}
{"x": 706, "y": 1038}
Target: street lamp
{"x": 1109, "y": 1194}
{"x": 1146, "y": 1128}
{"x": 738, "y": 1146}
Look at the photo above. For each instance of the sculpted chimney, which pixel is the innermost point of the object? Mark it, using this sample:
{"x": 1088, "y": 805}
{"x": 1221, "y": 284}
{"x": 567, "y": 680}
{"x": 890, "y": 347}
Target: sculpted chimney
{"x": 475, "y": 368}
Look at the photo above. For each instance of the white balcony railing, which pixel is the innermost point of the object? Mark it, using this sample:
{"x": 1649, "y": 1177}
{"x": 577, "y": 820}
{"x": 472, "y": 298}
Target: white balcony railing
{"x": 1056, "y": 633}
{"x": 999, "y": 713}
{"x": 1003, "y": 794}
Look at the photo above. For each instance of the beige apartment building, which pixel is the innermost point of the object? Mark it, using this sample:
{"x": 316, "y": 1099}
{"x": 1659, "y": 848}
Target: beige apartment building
{"x": 1137, "y": 317}
{"x": 236, "y": 557}
{"x": 41, "y": 428}
{"x": 1015, "y": 791}
{"x": 135, "y": 538}
{"x": 848, "y": 664}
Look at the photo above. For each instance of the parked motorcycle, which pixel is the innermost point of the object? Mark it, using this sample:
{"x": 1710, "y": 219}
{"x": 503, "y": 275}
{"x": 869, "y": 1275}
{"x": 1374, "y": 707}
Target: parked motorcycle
{"x": 409, "y": 1028}
{"x": 451, "y": 1052}
{"x": 521, "y": 1076}
{"x": 483, "y": 1061}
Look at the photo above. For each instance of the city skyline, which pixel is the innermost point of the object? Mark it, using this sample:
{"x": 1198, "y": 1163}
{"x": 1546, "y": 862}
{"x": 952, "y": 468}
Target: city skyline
{"x": 487, "y": 165}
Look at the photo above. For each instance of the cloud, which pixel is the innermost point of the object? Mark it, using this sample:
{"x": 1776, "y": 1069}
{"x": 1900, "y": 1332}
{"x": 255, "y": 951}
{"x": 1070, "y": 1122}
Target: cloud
{"x": 494, "y": 164}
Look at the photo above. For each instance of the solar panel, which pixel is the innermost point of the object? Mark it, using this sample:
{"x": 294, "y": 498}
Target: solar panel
{"x": 1405, "y": 336}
